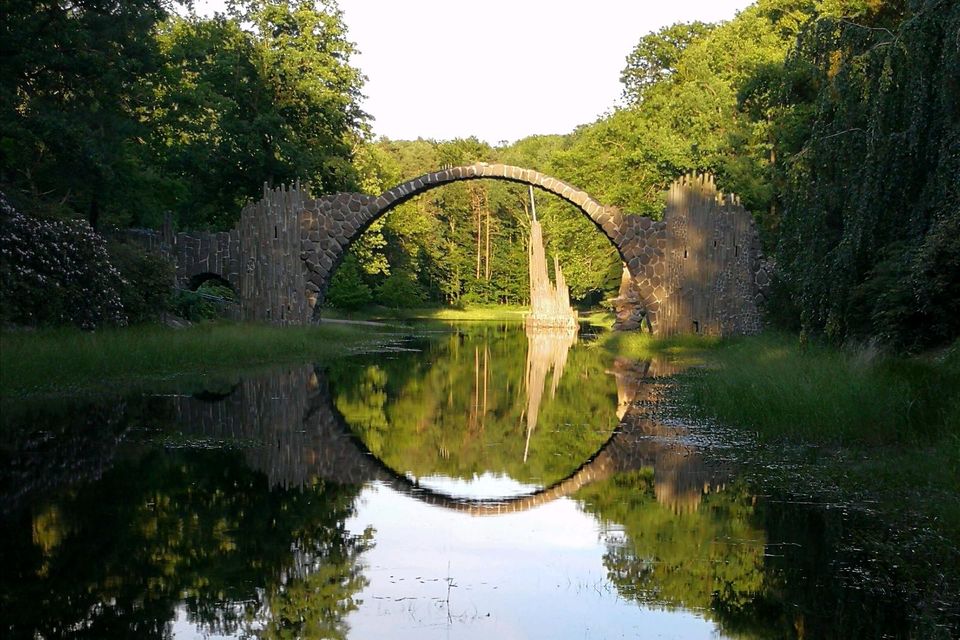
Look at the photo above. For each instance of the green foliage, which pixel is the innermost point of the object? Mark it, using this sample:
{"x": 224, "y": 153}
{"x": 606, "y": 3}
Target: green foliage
{"x": 400, "y": 290}
{"x": 71, "y": 77}
{"x": 192, "y": 306}
{"x": 656, "y": 55}
{"x": 119, "y": 112}
{"x": 347, "y": 288}
{"x": 147, "y": 280}
{"x": 266, "y": 95}
{"x": 871, "y": 190}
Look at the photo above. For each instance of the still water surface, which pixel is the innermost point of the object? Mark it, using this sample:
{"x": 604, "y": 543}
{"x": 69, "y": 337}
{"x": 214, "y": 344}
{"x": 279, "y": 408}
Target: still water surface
{"x": 484, "y": 483}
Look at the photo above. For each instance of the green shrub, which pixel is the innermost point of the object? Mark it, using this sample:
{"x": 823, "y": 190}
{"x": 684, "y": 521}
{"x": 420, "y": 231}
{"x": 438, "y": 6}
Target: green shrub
{"x": 347, "y": 288}
{"x": 210, "y": 301}
{"x": 55, "y": 273}
{"x": 401, "y": 290}
{"x": 192, "y": 306}
{"x": 148, "y": 279}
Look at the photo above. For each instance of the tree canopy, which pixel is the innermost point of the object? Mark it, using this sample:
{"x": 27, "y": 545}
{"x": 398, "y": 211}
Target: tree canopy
{"x": 835, "y": 121}
{"x": 120, "y": 111}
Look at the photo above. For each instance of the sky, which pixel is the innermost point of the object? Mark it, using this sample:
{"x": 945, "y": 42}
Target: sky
{"x": 500, "y": 70}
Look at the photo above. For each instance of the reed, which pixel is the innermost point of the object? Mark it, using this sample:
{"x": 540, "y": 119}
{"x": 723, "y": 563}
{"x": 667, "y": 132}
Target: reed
{"x": 779, "y": 388}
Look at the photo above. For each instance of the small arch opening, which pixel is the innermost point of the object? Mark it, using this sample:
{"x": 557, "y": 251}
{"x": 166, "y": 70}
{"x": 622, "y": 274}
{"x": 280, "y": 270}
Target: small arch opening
{"x": 207, "y": 296}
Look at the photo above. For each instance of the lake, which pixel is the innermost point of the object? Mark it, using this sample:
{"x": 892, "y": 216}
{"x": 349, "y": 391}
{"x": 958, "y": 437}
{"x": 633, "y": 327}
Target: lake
{"x": 477, "y": 483}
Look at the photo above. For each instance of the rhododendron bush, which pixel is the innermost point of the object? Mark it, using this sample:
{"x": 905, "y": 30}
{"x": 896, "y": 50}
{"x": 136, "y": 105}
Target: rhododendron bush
{"x": 56, "y": 272}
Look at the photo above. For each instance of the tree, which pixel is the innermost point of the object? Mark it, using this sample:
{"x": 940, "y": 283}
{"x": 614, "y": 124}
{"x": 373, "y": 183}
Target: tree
{"x": 70, "y": 84}
{"x": 871, "y": 187}
{"x": 236, "y": 106}
{"x": 656, "y": 55}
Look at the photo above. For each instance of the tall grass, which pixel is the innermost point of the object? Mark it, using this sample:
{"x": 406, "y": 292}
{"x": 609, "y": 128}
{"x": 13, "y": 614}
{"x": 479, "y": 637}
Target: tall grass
{"x": 778, "y": 388}
{"x": 52, "y": 359}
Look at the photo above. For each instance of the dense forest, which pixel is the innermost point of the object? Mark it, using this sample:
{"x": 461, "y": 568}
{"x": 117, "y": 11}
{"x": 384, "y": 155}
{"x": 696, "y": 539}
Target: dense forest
{"x": 836, "y": 121}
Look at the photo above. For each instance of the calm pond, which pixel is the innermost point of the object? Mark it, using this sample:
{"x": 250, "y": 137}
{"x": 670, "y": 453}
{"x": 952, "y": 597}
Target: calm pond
{"x": 482, "y": 483}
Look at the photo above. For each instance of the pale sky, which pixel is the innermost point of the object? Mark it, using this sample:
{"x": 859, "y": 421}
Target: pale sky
{"x": 500, "y": 69}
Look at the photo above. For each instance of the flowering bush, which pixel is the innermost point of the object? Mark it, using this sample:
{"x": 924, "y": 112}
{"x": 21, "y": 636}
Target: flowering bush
{"x": 56, "y": 272}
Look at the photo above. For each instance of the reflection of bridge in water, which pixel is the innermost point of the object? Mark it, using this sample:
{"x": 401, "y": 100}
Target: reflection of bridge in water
{"x": 292, "y": 431}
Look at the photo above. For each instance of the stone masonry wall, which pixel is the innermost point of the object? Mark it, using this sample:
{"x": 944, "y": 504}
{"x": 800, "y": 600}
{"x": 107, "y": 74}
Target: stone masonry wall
{"x": 272, "y": 280}
{"x": 698, "y": 270}
{"x": 261, "y": 259}
{"x": 711, "y": 272}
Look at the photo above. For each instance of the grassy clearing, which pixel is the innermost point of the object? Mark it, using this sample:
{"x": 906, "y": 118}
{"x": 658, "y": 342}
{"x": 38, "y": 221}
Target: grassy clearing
{"x": 62, "y": 358}
{"x": 772, "y": 385}
{"x": 685, "y": 349}
{"x": 471, "y": 313}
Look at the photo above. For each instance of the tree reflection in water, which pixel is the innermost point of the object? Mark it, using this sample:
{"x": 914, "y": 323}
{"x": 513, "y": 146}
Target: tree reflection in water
{"x": 226, "y": 511}
{"x": 190, "y": 529}
{"x": 466, "y": 406}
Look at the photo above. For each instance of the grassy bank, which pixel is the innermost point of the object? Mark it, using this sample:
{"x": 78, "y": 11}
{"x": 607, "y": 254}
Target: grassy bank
{"x": 53, "y": 359}
{"x": 774, "y": 386}
{"x": 868, "y": 428}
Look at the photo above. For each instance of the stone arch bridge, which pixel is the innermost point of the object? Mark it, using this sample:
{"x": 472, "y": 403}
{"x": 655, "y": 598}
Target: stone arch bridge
{"x": 699, "y": 269}
{"x": 292, "y": 431}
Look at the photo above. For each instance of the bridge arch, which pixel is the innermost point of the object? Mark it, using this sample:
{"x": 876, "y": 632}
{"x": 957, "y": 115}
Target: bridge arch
{"x": 331, "y": 224}
{"x": 701, "y": 268}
